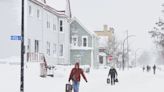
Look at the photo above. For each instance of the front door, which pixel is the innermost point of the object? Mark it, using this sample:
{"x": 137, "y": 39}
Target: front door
{"x": 101, "y": 61}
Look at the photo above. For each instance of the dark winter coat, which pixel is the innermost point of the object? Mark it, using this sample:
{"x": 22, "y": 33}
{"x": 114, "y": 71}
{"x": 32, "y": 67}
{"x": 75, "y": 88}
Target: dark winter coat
{"x": 112, "y": 72}
{"x": 154, "y": 67}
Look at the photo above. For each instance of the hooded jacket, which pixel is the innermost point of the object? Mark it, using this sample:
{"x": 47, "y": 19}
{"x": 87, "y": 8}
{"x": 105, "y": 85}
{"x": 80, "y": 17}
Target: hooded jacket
{"x": 76, "y": 72}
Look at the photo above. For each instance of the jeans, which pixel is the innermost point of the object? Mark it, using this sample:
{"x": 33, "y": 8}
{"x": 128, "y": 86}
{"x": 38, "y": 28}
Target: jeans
{"x": 76, "y": 86}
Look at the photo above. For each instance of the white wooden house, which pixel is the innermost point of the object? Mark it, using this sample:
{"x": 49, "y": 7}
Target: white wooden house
{"x": 46, "y": 31}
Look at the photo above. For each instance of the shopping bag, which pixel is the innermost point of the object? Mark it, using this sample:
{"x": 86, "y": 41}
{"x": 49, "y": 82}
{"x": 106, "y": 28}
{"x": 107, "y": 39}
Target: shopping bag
{"x": 68, "y": 87}
{"x": 108, "y": 80}
{"x": 116, "y": 80}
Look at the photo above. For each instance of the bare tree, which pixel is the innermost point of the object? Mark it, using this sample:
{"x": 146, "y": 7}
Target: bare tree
{"x": 157, "y": 33}
{"x": 113, "y": 48}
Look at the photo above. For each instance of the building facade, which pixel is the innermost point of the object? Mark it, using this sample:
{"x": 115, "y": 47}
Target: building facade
{"x": 105, "y": 38}
{"x": 47, "y": 31}
{"x": 83, "y": 44}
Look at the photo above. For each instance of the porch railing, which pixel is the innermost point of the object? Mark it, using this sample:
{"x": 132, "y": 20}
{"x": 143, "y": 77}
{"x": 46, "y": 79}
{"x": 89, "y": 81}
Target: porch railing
{"x": 35, "y": 57}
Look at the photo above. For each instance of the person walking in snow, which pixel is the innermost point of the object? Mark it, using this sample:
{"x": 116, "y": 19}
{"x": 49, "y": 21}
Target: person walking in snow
{"x": 154, "y": 69}
{"x": 113, "y": 74}
{"x": 143, "y": 68}
{"x": 148, "y": 68}
{"x": 75, "y": 77}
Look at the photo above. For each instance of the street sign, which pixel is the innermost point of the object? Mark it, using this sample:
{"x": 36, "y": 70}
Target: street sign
{"x": 110, "y": 57}
{"x": 15, "y": 37}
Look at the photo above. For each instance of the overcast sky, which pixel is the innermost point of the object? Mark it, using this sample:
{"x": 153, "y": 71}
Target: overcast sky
{"x": 136, "y": 16}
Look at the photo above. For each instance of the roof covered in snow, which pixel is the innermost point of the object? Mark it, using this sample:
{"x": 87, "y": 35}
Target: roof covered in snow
{"x": 90, "y": 32}
{"x": 57, "y": 4}
{"x": 61, "y": 6}
{"x": 51, "y": 5}
{"x": 42, "y": 1}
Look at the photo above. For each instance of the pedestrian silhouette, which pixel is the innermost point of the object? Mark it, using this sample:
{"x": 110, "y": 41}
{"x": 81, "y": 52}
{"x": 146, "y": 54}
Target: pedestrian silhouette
{"x": 75, "y": 77}
{"x": 154, "y": 69}
{"x": 113, "y": 74}
{"x": 143, "y": 68}
{"x": 148, "y": 68}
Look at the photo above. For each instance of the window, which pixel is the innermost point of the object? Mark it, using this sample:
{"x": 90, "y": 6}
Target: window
{"x": 28, "y": 49}
{"x": 30, "y": 10}
{"x": 48, "y": 48}
{"x": 54, "y": 27}
{"x": 54, "y": 49}
{"x": 48, "y": 22}
{"x": 36, "y": 46}
{"x": 75, "y": 40}
{"x": 61, "y": 50}
{"x": 54, "y": 24}
{"x": 29, "y": 45}
{"x": 38, "y": 13}
{"x": 61, "y": 26}
{"x": 85, "y": 41}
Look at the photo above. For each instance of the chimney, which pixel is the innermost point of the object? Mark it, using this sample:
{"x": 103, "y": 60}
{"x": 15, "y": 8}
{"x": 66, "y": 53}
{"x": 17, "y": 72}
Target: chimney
{"x": 105, "y": 27}
{"x": 68, "y": 9}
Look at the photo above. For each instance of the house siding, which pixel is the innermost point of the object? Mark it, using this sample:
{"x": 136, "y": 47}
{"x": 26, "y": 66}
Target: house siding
{"x": 35, "y": 28}
{"x": 76, "y": 29}
{"x": 38, "y": 30}
{"x": 85, "y": 56}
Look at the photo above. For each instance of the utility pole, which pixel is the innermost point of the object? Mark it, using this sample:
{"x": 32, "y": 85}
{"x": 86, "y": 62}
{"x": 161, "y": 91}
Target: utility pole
{"x": 22, "y": 49}
{"x": 123, "y": 61}
{"x": 127, "y": 50}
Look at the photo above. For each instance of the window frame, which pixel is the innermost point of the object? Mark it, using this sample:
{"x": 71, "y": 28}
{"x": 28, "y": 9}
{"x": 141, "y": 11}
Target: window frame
{"x": 86, "y": 41}
{"x": 76, "y": 42}
{"x": 36, "y": 46}
{"x": 61, "y": 25}
{"x": 30, "y": 10}
{"x": 48, "y": 48}
{"x": 61, "y": 50}
{"x": 38, "y": 13}
{"x": 48, "y": 22}
{"x": 54, "y": 49}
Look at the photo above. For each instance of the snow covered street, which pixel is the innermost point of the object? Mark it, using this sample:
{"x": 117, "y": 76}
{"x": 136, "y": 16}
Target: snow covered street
{"x": 132, "y": 80}
{"x": 46, "y": 43}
